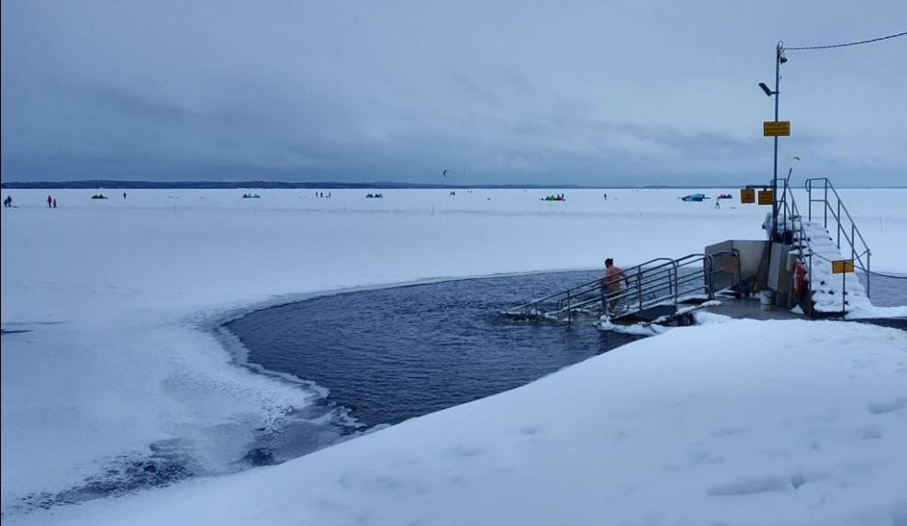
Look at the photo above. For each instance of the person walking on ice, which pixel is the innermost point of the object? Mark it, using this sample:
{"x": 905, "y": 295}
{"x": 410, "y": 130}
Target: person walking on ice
{"x": 611, "y": 283}
{"x": 50, "y": 201}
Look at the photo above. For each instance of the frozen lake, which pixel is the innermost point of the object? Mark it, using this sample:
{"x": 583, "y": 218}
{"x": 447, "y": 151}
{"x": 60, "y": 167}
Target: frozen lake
{"x": 118, "y": 383}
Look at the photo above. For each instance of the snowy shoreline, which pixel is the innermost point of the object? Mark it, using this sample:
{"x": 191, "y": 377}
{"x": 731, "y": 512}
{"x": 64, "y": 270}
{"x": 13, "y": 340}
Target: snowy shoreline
{"x": 717, "y": 434}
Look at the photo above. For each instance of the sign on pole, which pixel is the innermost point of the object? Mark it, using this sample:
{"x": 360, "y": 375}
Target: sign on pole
{"x": 776, "y": 128}
{"x": 841, "y": 266}
{"x": 766, "y": 197}
{"x": 747, "y": 195}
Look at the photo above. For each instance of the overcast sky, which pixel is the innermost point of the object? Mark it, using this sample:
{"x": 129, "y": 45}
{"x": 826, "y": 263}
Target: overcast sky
{"x": 598, "y": 93}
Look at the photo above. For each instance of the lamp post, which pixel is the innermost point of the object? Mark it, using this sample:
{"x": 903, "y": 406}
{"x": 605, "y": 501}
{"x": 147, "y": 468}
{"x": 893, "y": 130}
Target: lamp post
{"x": 779, "y": 59}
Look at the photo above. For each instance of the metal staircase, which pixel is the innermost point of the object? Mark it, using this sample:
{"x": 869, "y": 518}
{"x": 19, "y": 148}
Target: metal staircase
{"x": 649, "y": 291}
{"x": 814, "y": 245}
{"x": 832, "y": 207}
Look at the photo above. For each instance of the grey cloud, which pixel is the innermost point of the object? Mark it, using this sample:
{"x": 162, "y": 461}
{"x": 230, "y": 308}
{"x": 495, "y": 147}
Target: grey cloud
{"x": 612, "y": 93}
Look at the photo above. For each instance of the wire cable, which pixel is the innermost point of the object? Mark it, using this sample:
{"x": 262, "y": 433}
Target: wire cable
{"x": 808, "y": 48}
{"x": 890, "y": 276}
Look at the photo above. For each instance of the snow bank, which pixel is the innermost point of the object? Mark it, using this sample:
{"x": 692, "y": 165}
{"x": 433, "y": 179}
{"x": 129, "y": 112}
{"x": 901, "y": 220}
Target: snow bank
{"x": 745, "y": 422}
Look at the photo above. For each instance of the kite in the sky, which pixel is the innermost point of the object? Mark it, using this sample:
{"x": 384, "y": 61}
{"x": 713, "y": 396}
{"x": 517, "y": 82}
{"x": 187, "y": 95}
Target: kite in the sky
{"x": 444, "y": 173}
{"x": 795, "y": 158}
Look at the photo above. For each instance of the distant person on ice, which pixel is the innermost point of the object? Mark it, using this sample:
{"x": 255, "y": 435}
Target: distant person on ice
{"x": 611, "y": 282}
{"x": 8, "y": 202}
{"x": 50, "y": 201}
{"x": 124, "y": 195}
{"x": 54, "y": 202}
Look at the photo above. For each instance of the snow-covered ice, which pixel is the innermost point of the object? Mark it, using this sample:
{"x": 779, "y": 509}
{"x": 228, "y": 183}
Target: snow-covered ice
{"x": 741, "y": 422}
{"x": 744, "y": 423}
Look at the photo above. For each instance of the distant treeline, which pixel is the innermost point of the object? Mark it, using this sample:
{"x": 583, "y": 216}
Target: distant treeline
{"x": 220, "y": 185}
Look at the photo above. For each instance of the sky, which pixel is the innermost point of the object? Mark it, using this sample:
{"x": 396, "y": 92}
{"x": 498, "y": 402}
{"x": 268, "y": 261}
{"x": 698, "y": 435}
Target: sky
{"x": 604, "y": 93}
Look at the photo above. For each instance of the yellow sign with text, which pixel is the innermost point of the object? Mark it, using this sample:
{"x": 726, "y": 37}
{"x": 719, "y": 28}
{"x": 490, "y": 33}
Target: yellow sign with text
{"x": 841, "y": 266}
{"x": 776, "y": 128}
{"x": 747, "y": 195}
{"x": 766, "y": 197}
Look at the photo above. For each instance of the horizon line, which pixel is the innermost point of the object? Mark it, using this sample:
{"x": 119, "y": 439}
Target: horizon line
{"x": 78, "y": 184}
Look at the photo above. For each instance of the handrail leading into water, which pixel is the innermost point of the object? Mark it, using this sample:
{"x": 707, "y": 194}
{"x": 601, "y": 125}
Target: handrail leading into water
{"x": 656, "y": 282}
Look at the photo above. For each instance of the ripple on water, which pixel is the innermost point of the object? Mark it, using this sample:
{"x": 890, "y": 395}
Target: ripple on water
{"x": 391, "y": 354}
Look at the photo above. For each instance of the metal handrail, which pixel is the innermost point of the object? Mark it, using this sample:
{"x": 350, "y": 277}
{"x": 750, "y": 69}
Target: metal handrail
{"x": 803, "y": 247}
{"x": 838, "y": 216}
{"x": 638, "y": 294}
{"x": 657, "y": 281}
{"x": 573, "y": 290}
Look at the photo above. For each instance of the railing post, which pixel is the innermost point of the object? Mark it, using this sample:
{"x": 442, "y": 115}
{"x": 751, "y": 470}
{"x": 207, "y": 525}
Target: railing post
{"x": 853, "y": 239}
{"x": 868, "y": 271}
{"x": 843, "y": 293}
{"x": 838, "y": 220}
{"x": 601, "y": 291}
{"x": 707, "y": 279}
{"x": 569, "y": 309}
{"x": 639, "y": 288}
{"x": 825, "y": 200}
{"x": 809, "y": 199}
{"x": 809, "y": 285}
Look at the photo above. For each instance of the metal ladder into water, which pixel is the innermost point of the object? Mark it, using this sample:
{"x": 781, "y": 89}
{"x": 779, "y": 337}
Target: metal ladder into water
{"x": 651, "y": 290}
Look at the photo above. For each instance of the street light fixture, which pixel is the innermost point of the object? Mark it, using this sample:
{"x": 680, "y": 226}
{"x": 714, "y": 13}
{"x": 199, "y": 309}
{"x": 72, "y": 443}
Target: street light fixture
{"x": 779, "y": 59}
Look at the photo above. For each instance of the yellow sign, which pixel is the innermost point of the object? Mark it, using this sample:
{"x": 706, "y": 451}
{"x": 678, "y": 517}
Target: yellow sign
{"x": 776, "y": 128}
{"x": 766, "y": 197}
{"x": 841, "y": 266}
{"x": 747, "y": 196}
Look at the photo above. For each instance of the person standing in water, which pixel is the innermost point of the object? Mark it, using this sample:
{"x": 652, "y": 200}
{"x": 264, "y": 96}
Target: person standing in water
{"x": 611, "y": 283}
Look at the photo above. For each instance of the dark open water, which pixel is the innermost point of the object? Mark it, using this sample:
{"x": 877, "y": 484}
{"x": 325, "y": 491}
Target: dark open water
{"x": 395, "y": 353}
{"x": 392, "y": 354}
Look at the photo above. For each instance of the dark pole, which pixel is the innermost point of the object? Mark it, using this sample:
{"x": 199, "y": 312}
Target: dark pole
{"x": 775, "y": 173}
